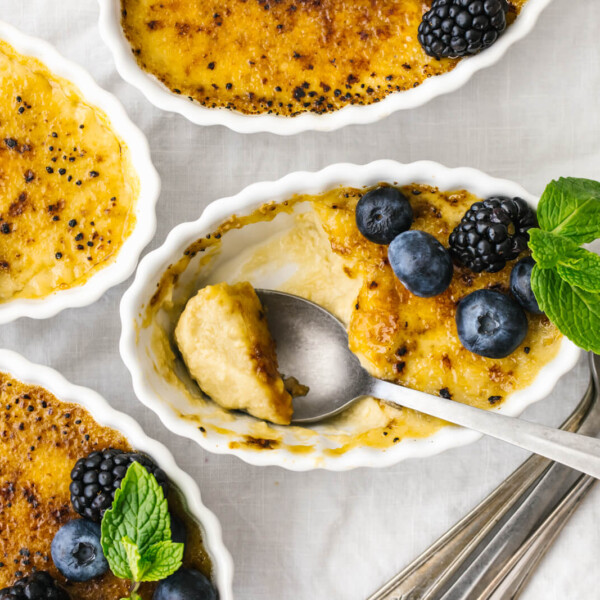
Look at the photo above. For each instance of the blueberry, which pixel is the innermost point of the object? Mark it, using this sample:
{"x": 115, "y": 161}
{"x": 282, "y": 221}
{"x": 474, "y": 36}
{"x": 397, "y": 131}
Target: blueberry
{"x": 520, "y": 285}
{"x": 185, "y": 584}
{"x": 421, "y": 263}
{"x": 178, "y": 530}
{"x": 490, "y": 323}
{"x": 76, "y": 551}
{"x": 382, "y": 214}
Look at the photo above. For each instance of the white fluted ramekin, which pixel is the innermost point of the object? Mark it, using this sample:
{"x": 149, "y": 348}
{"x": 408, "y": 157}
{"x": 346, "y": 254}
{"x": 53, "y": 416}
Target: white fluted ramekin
{"x": 159, "y": 95}
{"x": 21, "y": 369}
{"x": 126, "y": 260}
{"x": 162, "y": 396}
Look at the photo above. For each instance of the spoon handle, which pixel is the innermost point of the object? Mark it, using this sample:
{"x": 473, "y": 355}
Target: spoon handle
{"x": 574, "y": 450}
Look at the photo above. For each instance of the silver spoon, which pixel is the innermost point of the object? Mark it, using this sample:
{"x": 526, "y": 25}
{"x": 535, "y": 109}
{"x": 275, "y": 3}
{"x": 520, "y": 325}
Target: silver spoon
{"x": 312, "y": 346}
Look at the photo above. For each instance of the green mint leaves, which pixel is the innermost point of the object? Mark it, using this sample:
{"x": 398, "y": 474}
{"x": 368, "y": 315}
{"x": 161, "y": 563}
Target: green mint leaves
{"x": 566, "y": 277}
{"x": 571, "y": 208}
{"x": 136, "y": 531}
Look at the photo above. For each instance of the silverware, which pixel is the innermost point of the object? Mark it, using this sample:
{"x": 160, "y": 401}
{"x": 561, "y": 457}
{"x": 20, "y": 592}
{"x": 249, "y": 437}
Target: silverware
{"x": 490, "y": 553}
{"x": 311, "y": 342}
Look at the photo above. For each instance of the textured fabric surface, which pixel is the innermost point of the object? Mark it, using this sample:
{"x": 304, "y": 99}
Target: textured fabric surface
{"x": 319, "y": 535}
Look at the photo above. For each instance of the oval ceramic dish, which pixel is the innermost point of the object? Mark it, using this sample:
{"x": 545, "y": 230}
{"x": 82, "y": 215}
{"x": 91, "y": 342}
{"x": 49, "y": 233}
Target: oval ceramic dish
{"x": 32, "y": 374}
{"x": 162, "y": 97}
{"x": 167, "y": 400}
{"x": 125, "y": 262}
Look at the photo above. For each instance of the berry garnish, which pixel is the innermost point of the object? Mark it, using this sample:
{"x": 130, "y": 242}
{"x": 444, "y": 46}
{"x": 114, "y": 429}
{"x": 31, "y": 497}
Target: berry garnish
{"x": 77, "y": 552}
{"x": 39, "y": 585}
{"x": 383, "y": 213}
{"x": 520, "y": 285}
{"x": 456, "y": 28}
{"x": 183, "y": 585}
{"x": 96, "y": 477}
{"x": 421, "y": 263}
{"x": 492, "y": 232}
{"x": 490, "y": 323}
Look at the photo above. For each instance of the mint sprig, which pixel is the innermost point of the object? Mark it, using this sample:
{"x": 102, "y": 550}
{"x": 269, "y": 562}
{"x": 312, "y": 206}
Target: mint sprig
{"x": 566, "y": 277}
{"x": 136, "y": 531}
{"x": 570, "y": 208}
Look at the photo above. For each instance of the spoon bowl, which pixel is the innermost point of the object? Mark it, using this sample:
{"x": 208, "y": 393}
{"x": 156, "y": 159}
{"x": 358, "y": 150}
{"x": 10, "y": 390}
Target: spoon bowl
{"x": 312, "y": 346}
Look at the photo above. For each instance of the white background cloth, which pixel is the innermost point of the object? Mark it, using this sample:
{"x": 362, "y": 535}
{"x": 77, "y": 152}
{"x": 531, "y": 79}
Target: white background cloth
{"x": 338, "y": 536}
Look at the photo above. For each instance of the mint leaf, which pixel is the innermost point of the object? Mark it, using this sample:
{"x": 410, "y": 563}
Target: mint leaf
{"x": 582, "y": 271}
{"x": 162, "y": 559}
{"x": 576, "y": 265}
{"x": 548, "y": 248}
{"x": 575, "y": 311}
{"x": 139, "y": 513}
{"x": 570, "y": 207}
{"x": 137, "y": 565}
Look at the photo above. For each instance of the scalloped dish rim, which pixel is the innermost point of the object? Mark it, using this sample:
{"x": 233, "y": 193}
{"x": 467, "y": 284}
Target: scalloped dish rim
{"x": 29, "y": 373}
{"x": 126, "y": 260}
{"x": 153, "y": 265}
{"x": 163, "y": 98}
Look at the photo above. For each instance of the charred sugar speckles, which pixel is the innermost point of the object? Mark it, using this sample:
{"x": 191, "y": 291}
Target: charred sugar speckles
{"x": 494, "y": 399}
{"x": 445, "y": 393}
{"x": 299, "y": 93}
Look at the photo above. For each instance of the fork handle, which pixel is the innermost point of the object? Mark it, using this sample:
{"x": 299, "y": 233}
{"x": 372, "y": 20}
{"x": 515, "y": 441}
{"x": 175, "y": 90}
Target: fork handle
{"x": 577, "y": 451}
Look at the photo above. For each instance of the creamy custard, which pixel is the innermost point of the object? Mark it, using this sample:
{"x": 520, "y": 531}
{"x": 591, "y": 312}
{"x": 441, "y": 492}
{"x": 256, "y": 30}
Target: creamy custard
{"x": 41, "y": 438}
{"x": 283, "y": 57}
{"x": 67, "y": 186}
{"x": 397, "y": 336}
{"x": 226, "y": 344}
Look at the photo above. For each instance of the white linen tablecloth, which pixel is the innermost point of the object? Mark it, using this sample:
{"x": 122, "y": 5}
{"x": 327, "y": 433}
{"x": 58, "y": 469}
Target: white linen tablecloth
{"x": 338, "y": 536}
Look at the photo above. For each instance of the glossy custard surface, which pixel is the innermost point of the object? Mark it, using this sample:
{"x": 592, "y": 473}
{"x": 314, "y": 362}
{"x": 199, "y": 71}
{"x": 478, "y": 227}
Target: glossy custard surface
{"x": 67, "y": 187}
{"x": 283, "y": 56}
{"x": 41, "y": 438}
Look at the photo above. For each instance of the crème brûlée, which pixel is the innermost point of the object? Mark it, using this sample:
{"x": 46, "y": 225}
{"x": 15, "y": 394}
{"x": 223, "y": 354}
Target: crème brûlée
{"x": 41, "y": 438}
{"x": 397, "y": 335}
{"x": 68, "y": 190}
{"x": 226, "y": 345}
{"x": 283, "y": 57}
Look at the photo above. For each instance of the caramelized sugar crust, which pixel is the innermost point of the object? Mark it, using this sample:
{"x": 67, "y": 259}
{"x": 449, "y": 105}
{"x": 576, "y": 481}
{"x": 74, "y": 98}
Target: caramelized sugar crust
{"x": 67, "y": 188}
{"x": 411, "y": 340}
{"x": 40, "y": 440}
{"x": 283, "y": 56}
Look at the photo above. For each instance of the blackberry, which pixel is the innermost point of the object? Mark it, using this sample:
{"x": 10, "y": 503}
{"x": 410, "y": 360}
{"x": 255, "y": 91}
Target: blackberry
{"x": 37, "y": 586}
{"x": 95, "y": 478}
{"x": 455, "y": 28}
{"x": 491, "y": 233}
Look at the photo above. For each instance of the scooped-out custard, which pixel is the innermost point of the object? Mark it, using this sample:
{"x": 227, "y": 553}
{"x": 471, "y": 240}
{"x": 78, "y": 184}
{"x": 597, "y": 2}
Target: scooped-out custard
{"x": 226, "y": 345}
{"x": 68, "y": 189}
{"x": 283, "y": 57}
{"x": 397, "y": 335}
